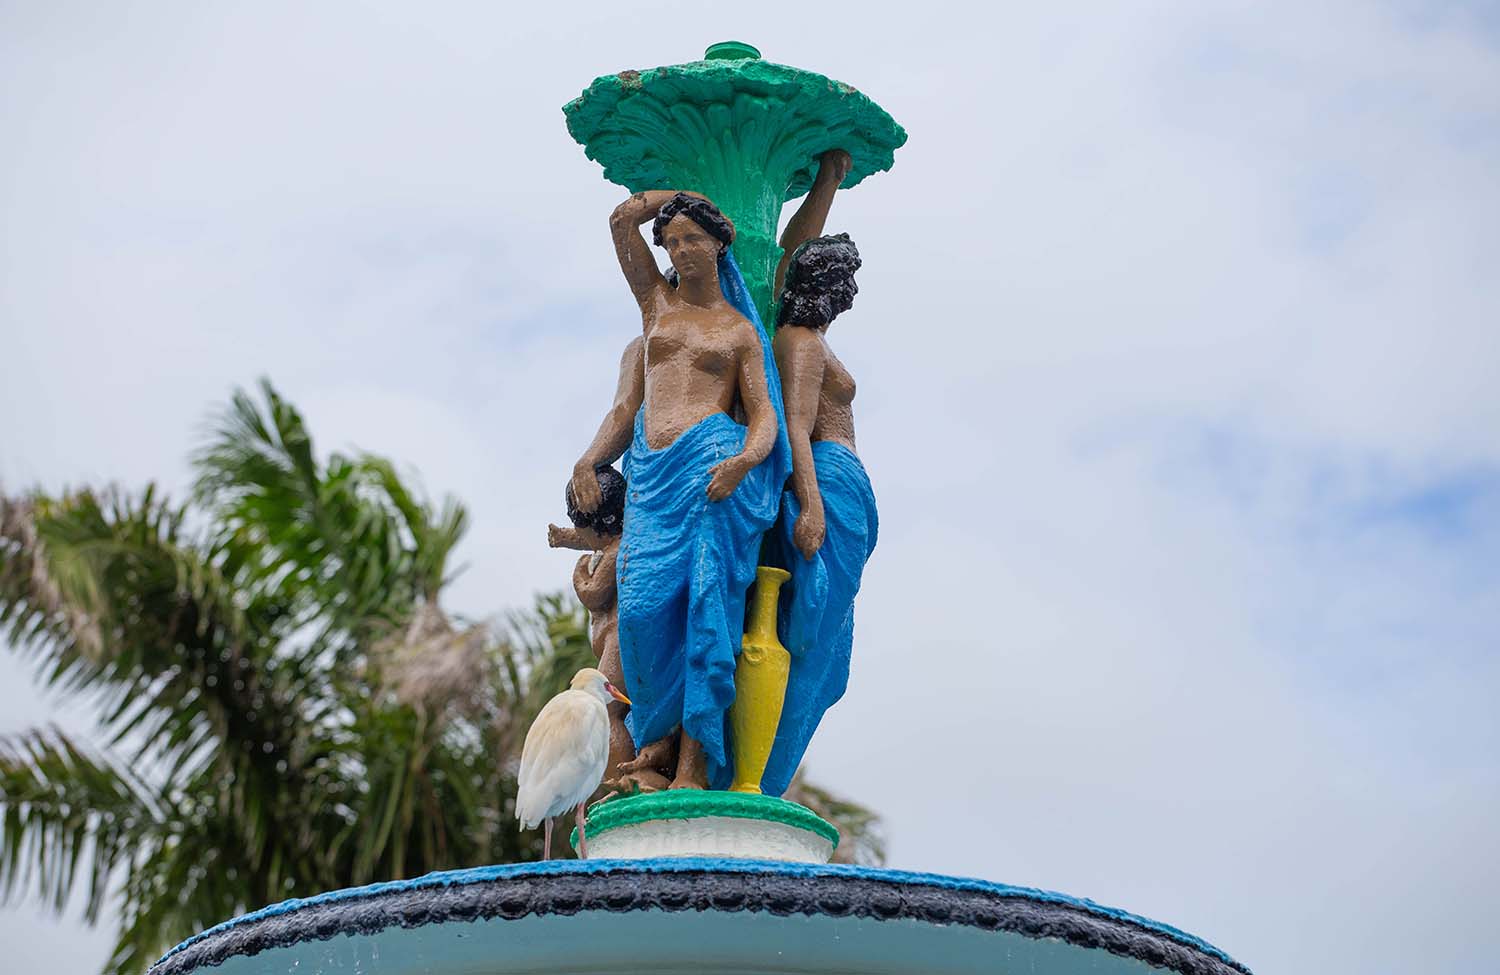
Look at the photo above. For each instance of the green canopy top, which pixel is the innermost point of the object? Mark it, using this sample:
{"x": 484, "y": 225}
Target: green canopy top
{"x": 744, "y": 132}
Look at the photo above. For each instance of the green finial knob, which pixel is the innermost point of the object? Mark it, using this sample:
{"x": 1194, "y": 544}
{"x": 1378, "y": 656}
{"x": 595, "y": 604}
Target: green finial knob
{"x": 731, "y": 51}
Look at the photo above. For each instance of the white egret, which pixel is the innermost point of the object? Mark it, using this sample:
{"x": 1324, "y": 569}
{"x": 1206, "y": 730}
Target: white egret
{"x": 565, "y": 753}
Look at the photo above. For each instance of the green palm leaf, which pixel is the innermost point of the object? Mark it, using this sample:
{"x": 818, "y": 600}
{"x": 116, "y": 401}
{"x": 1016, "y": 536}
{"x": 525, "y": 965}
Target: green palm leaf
{"x": 60, "y": 803}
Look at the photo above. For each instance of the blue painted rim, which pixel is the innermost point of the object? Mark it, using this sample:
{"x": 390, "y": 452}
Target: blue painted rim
{"x": 476, "y": 875}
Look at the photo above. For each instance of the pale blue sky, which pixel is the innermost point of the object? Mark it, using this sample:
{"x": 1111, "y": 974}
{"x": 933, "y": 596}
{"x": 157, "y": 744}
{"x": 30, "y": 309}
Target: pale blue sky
{"x": 1188, "y": 586}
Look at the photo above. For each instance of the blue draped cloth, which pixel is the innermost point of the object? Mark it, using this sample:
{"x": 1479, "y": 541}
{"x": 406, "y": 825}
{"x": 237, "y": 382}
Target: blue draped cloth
{"x": 686, "y": 562}
{"x": 816, "y": 620}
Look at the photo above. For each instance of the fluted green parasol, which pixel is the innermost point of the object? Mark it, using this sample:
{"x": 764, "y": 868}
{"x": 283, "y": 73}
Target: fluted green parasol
{"x": 744, "y": 132}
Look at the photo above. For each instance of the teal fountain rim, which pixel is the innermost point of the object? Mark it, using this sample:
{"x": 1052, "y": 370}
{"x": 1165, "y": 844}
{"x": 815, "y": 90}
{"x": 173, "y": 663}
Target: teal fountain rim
{"x": 516, "y": 891}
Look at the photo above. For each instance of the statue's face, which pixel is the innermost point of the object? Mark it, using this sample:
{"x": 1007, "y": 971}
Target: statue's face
{"x": 693, "y": 250}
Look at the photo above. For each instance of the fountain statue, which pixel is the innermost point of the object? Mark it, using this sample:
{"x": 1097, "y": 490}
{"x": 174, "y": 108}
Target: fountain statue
{"x": 710, "y": 432}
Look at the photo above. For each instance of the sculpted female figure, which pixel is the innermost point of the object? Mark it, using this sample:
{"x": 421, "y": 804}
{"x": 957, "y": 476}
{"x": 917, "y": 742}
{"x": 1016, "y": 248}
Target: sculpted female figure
{"x": 828, "y": 521}
{"x": 702, "y": 487}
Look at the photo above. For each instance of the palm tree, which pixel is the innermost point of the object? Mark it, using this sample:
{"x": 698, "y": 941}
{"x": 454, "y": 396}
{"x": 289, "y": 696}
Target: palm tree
{"x": 283, "y": 706}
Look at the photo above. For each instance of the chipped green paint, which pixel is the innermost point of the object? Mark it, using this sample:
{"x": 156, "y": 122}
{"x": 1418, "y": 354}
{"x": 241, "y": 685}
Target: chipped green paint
{"x": 744, "y": 132}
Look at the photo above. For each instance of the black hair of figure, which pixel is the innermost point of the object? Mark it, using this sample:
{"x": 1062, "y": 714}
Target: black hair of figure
{"x": 609, "y": 517}
{"x": 819, "y": 282}
{"x": 701, "y": 212}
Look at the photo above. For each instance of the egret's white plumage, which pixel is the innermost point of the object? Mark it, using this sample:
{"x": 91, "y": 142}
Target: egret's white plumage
{"x": 565, "y": 753}
{"x": 563, "y": 759}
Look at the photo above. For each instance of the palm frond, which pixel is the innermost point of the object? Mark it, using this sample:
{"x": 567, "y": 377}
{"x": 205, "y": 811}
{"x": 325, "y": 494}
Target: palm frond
{"x": 33, "y": 605}
{"x": 348, "y": 536}
{"x": 67, "y": 815}
{"x": 184, "y": 874}
{"x": 434, "y": 533}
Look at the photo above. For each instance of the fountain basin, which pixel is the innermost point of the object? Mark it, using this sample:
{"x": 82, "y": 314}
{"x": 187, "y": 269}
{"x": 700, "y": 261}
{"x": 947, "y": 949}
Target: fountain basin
{"x": 692, "y": 915}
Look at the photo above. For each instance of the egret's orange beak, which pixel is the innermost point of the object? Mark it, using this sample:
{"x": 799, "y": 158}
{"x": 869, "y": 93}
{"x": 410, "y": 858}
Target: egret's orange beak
{"x": 614, "y": 692}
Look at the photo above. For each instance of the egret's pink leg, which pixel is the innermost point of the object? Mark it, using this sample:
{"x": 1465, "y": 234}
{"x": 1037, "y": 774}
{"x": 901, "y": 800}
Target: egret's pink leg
{"x": 583, "y": 843}
{"x": 547, "y": 838}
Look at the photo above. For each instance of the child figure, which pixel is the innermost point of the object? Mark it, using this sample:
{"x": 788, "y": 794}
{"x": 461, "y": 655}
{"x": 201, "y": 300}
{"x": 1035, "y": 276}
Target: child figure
{"x": 598, "y": 534}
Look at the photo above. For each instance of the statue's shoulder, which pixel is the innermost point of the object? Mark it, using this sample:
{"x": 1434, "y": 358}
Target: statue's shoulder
{"x": 743, "y": 330}
{"x": 792, "y": 339}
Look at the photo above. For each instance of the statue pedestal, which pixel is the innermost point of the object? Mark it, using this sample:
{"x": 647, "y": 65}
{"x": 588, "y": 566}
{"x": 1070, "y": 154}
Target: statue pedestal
{"x": 690, "y": 823}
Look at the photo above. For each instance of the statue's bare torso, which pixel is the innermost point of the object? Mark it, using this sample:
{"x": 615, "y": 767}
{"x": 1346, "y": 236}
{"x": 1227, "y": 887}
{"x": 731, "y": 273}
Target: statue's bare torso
{"x": 692, "y": 361}
{"x": 835, "y": 402}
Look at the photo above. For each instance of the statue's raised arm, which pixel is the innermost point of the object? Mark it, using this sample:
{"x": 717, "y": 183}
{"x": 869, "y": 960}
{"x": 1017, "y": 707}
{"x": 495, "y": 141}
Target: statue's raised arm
{"x": 641, "y": 273}
{"x": 808, "y": 221}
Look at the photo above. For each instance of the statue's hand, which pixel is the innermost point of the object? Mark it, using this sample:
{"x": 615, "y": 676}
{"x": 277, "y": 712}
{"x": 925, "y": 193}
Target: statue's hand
{"x": 585, "y": 489}
{"x": 727, "y": 475}
{"x": 836, "y": 163}
{"x": 808, "y": 532}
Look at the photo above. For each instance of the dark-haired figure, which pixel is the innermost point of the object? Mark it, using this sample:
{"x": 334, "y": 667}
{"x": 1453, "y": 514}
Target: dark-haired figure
{"x": 597, "y": 532}
{"x": 702, "y": 487}
{"x": 828, "y": 521}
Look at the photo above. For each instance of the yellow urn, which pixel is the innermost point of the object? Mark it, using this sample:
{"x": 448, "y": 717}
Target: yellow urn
{"x": 759, "y": 684}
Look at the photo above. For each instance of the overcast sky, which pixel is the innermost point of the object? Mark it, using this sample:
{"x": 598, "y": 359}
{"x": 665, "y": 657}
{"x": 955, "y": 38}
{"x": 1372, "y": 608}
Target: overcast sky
{"x": 1179, "y": 389}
